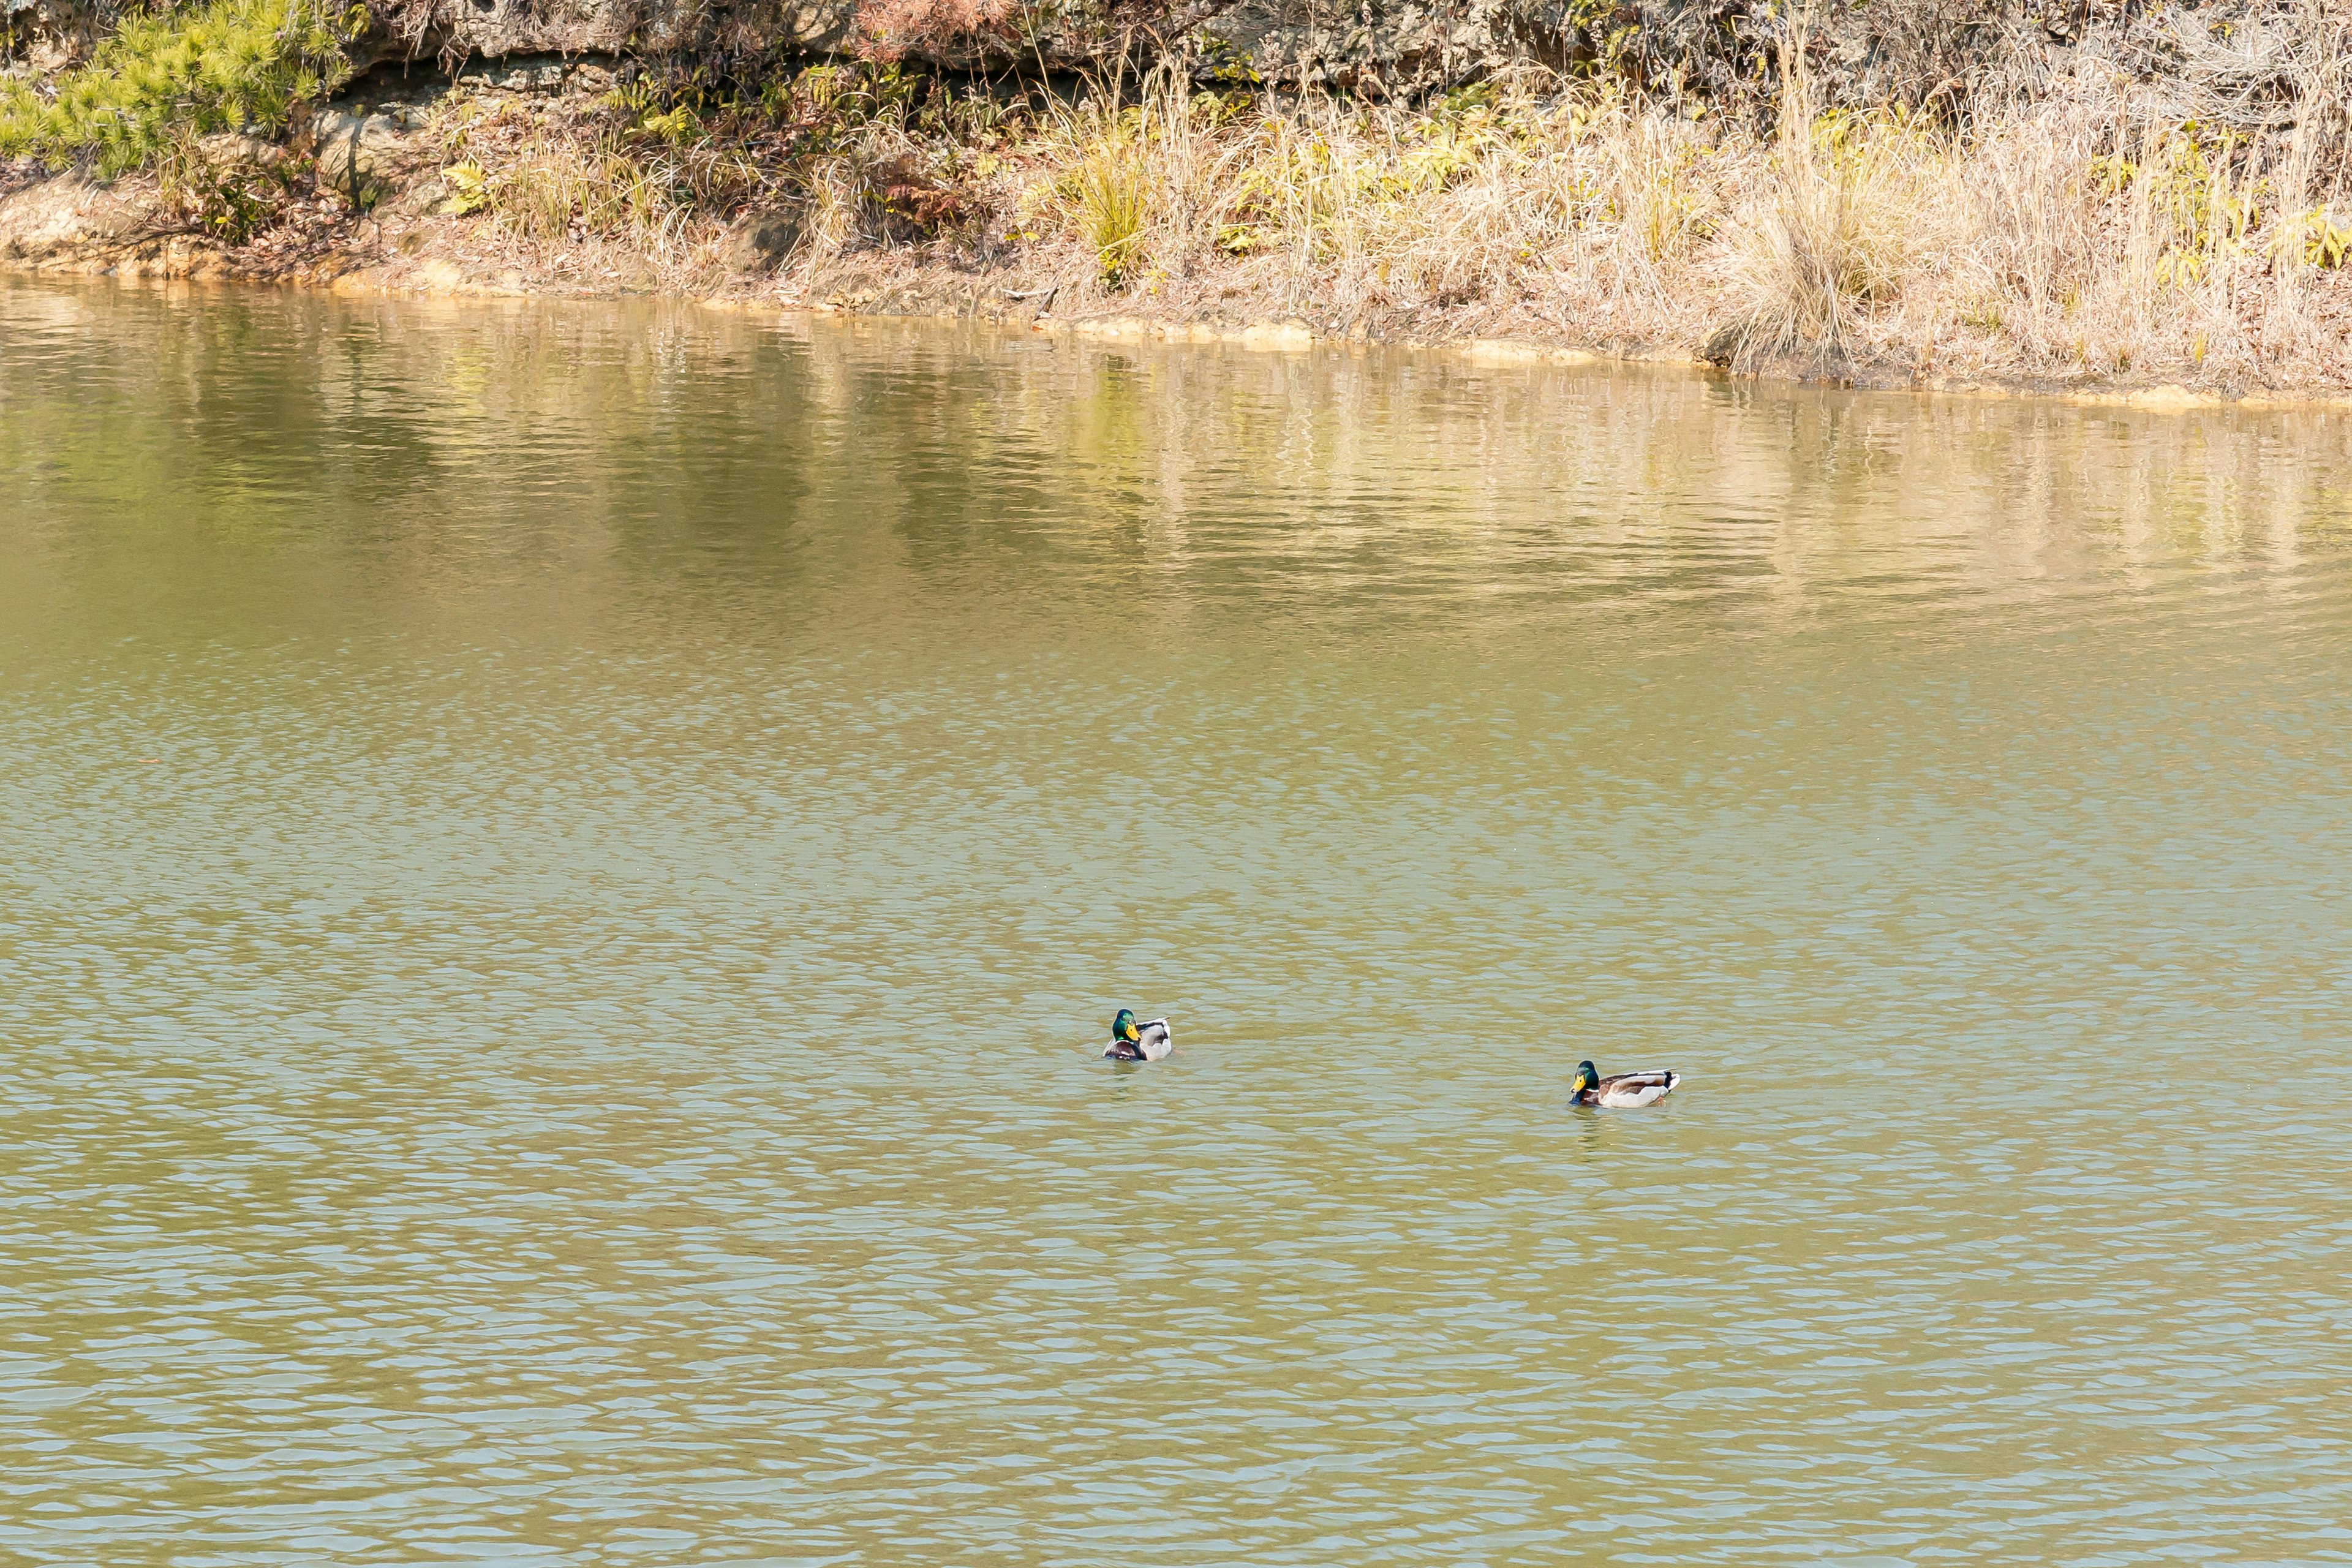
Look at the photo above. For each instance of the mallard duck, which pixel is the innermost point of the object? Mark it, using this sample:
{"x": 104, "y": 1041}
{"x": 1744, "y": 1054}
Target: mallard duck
{"x": 1130, "y": 1042}
{"x": 1623, "y": 1090}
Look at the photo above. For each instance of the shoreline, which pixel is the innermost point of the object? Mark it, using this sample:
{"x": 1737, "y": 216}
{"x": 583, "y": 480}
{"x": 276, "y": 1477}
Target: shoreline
{"x": 2077, "y": 233}
{"x": 440, "y": 278}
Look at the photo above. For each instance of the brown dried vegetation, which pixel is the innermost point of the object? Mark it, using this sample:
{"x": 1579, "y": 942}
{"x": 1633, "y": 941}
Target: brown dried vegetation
{"x": 2168, "y": 198}
{"x": 887, "y": 29}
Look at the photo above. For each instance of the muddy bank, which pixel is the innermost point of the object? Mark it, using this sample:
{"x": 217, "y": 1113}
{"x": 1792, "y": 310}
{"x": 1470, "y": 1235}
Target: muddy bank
{"x": 406, "y": 243}
{"x": 2083, "y": 238}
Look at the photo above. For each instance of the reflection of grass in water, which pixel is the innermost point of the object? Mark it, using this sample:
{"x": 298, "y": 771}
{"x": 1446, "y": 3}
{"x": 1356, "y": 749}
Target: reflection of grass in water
{"x": 221, "y": 67}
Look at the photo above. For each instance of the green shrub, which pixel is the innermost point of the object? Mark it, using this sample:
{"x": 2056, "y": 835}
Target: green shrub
{"x": 218, "y": 66}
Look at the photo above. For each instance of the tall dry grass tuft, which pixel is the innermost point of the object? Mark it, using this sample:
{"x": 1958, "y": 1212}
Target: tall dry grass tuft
{"x": 1111, "y": 197}
{"x": 1360, "y": 208}
{"x": 1657, "y": 186}
{"x": 1845, "y": 202}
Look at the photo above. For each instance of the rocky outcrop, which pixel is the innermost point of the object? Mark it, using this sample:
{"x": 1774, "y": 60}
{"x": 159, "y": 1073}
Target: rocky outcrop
{"x": 760, "y": 242}
{"x": 355, "y": 150}
{"x": 1372, "y": 45}
{"x": 460, "y": 30}
{"x": 38, "y": 36}
{"x": 1867, "y": 52}
{"x": 71, "y": 220}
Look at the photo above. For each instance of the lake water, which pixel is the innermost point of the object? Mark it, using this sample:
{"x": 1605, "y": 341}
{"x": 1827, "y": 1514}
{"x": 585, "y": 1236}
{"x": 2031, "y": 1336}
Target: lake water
{"x": 562, "y": 867}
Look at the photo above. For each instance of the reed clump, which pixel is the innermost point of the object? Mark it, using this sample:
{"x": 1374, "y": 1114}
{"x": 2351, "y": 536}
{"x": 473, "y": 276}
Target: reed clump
{"x": 547, "y": 183}
{"x": 1108, "y": 199}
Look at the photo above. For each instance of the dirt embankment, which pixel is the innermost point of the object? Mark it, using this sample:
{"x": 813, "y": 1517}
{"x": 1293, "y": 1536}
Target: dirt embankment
{"x": 2136, "y": 212}
{"x": 409, "y": 181}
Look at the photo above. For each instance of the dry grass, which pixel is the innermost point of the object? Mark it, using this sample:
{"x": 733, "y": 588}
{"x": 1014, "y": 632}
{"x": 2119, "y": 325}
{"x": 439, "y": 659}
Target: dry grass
{"x": 596, "y": 190}
{"x": 1846, "y": 207}
{"x": 2104, "y": 224}
{"x": 1109, "y": 200}
{"x": 2085, "y": 235}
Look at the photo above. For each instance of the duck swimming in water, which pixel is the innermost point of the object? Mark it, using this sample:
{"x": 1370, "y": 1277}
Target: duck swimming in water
{"x": 1623, "y": 1090}
{"x": 1132, "y": 1042}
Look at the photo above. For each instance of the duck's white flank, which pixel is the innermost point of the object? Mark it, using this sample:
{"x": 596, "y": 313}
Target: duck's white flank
{"x": 1631, "y": 1096}
{"x": 1154, "y": 1042}
{"x": 1631, "y": 1091}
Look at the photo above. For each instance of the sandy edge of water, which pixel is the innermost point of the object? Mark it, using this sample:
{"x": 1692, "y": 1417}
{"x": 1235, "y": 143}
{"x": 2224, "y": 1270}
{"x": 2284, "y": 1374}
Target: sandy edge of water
{"x": 432, "y": 276}
{"x": 1291, "y": 335}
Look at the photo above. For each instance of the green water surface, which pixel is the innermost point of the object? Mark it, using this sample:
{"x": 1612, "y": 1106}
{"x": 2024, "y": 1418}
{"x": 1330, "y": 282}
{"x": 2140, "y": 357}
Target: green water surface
{"x": 561, "y": 868}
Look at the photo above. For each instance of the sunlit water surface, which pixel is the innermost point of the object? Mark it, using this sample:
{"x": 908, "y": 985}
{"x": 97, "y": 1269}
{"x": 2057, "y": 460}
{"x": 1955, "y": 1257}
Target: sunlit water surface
{"x": 560, "y": 869}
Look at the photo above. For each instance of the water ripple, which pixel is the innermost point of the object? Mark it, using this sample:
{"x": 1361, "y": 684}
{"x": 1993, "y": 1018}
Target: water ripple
{"x": 558, "y": 868}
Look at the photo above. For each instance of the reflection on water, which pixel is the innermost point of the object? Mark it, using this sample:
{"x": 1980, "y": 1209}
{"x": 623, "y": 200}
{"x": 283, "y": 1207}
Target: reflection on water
{"x": 559, "y": 869}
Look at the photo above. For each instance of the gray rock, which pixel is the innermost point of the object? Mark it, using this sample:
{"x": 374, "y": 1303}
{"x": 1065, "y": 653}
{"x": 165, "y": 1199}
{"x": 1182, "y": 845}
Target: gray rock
{"x": 501, "y": 30}
{"x": 241, "y": 151}
{"x": 52, "y": 35}
{"x": 545, "y": 75}
{"x": 425, "y": 197}
{"x": 1386, "y": 46}
{"x": 1397, "y": 45}
{"x": 760, "y": 242}
{"x": 1865, "y": 51}
{"x": 354, "y": 152}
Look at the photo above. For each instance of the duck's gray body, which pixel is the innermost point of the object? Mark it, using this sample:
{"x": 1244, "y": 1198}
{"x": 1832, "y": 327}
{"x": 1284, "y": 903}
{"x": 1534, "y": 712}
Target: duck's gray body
{"x": 1152, "y": 1043}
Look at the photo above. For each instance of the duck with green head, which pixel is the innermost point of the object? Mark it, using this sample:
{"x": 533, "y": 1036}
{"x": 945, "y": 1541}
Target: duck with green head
{"x": 1623, "y": 1090}
{"x": 1133, "y": 1042}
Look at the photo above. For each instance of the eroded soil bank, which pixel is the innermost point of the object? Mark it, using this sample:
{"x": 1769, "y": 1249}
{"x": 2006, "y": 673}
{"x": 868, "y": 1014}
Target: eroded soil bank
{"x": 2118, "y": 213}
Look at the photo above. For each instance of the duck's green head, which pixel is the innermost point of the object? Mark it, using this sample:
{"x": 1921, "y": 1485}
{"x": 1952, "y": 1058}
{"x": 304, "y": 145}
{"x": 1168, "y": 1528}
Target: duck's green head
{"x": 1587, "y": 1076}
{"x": 1123, "y": 1027}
